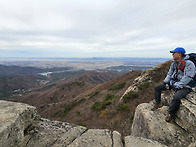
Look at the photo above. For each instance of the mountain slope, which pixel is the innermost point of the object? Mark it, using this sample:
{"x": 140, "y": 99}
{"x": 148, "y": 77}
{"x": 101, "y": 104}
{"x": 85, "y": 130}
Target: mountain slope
{"x": 65, "y": 89}
{"x": 94, "y": 77}
{"x": 97, "y": 105}
{"x": 18, "y": 83}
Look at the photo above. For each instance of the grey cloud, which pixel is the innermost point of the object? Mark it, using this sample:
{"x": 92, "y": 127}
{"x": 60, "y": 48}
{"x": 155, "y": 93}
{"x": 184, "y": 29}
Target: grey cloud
{"x": 97, "y": 27}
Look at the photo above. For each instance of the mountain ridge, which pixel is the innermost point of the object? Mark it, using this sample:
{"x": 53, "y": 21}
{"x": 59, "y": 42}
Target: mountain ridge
{"x": 97, "y": 106}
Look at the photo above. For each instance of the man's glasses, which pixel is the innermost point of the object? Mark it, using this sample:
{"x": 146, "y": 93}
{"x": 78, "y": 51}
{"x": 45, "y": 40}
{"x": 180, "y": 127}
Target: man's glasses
{"x": 173, "y": 53}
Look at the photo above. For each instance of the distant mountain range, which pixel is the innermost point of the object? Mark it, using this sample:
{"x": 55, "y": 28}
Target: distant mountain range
{"x": 17, "y": 70}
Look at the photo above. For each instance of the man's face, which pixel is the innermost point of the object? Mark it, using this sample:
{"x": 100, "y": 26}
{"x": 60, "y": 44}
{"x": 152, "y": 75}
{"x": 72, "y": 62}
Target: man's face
{"x": 177, "y": 56}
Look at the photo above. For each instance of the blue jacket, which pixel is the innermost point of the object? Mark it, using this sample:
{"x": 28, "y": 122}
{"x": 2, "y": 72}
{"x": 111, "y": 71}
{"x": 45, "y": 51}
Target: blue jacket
{"x": 183, "y": 77}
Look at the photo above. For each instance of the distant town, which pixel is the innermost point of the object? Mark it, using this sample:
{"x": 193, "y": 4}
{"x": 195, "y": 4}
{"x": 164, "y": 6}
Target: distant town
{"x": 116, "y": 64}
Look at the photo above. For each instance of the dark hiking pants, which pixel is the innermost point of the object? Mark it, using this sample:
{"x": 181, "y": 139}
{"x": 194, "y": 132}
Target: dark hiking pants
{"x": 175, "y": 103}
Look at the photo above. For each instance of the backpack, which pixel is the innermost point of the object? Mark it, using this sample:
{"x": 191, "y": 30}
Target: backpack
{"x": 192, "y": 57}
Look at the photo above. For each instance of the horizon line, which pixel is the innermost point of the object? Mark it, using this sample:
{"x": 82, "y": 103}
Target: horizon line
{"x": 81, "y": 57}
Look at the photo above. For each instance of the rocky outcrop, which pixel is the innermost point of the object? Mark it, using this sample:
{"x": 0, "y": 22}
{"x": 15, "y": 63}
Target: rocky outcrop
{"x": 146, "y": 76}
{"x": 151, "y": 124}
{"x": 15, "y": 120}
{"x": 186, "y": 116}
{"x": 20, "y": 126}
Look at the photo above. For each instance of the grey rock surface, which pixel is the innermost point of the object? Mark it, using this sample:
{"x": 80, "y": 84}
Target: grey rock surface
{"x": 20, "y": 126}
{"x": 151, "y": 124}
{"x": 54, "y": 134}
{"x": 15, "y": 120}
{"x": 117, "y": 139}
{"x": 186, "y": 116}
{"x": 94, "y": 137}
{"x": 131, "y": 141}
{"x": 192, "y": 145}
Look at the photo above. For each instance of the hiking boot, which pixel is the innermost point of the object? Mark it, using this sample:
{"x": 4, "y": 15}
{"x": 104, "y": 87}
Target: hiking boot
{"x": 156, "y": 106}
{"x": 169, "y": 117}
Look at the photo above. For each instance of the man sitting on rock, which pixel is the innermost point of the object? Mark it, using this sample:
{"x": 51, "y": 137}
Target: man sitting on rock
{"x": 181, "y": 72}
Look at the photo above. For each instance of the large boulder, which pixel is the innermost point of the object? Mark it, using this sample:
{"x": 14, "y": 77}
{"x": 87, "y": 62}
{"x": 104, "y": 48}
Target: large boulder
{"x": 151, "y": 124}
{"x": 98, "y": 138}
{"x": 15, "y": 120}
{"x": 54, "y": 134}
{"x": 186, "y": 116}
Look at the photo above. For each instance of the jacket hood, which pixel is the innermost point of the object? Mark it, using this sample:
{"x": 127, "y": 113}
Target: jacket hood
{"x": 186, "y": 57}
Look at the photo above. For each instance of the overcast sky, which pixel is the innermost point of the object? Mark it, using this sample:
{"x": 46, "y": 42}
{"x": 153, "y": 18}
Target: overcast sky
{"x": 96, "y": 28}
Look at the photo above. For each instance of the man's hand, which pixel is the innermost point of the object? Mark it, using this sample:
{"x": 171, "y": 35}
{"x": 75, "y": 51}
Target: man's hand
{"x": 170, "y": 87}
{"x": 167, "y": 86}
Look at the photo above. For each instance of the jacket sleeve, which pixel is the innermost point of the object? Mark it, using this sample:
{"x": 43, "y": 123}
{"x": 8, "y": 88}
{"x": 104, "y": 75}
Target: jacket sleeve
{"x": 189, "y": 72}
{"x": 169, "y": 74}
